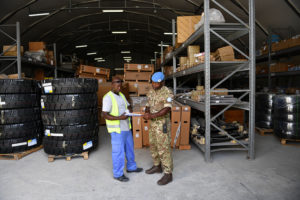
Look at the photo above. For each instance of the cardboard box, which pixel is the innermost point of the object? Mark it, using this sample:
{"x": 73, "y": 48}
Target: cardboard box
{"x": 15, "y": 76}
{"x": 225, "y": 54}
{"x": 232, "y": 115}
{"x": 200, "y": 57}
{"x": 223, "y": 91}
{"x": 94, "y": 70}
{"x": 137, "y": 132}
{"x": 39, "y": 74}
{"x": 294, "y": 41}
{"x": 183, "y": 63}
{"x": 185, "y": 27}
{"x": 143, "y": 88}
{"x": 175, "y": 120}
{"x": 185, "y": 125}
{"x": 277, "y": 46}
{"x": 104, "y": 88}
{"x": 145, "y": 129}
{"x": 280, "y": 67}
{"x": 139, "y": 76}
{"x": 37, "y": 46}
{"x": 191, "y": 51}
{"x": 139, "y": 67}
{"x": 12, "y": 51}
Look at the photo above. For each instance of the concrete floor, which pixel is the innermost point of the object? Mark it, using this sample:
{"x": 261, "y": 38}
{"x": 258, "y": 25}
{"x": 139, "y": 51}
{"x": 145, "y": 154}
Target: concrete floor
{"x": 274, "y": 174}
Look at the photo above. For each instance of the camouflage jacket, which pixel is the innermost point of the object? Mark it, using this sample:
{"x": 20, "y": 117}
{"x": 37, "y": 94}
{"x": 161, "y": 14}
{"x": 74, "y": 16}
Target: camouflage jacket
{"x": 159, "y": 99}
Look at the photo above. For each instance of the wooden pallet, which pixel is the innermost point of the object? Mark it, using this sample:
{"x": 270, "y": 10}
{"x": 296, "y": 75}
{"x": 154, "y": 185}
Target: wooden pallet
{"x": 18, "y": 156}
{"x": 263, "y": 131}
{"x": 85, "y": 156}
{"x": 184, "y": 147}
{"x": 284, "y": 141}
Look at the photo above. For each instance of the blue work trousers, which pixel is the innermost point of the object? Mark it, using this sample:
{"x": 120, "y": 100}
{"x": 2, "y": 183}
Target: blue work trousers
{"x": 122, "y": 145}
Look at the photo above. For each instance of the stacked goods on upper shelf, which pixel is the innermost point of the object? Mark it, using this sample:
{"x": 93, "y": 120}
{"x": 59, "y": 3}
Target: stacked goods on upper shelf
{"x": 37, "y": 52}
{"x": 224, "y": 54}
{"x": 99, "y": 73}
{"x": 274, "y": 67}
{"x": 282, "y": 44}
{"x": 138, "y": 77}
{"x": 167, "y": 52}
{"x": 191, "y": 51}
{"x": 185, "y": 27}
{"x": 11, "y": 50}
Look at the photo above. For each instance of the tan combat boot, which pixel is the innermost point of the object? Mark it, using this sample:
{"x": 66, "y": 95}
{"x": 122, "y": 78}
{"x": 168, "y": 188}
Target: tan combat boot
{"x": 154, "y": 169}
{"x": 167, "y": 178}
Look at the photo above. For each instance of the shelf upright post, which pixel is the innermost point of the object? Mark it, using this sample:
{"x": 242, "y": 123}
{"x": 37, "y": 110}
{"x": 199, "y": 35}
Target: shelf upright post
{"x": 251, "y": 154}
{"x": 174, "y": 57}
{"x": 161, "y": 55}
{"x": 269, "y": 61}
{"x": 207, "y": 80}
{"x": 18, "y": 50}
{"x": 155, "y": 63}
{"x": 55, "y": 61}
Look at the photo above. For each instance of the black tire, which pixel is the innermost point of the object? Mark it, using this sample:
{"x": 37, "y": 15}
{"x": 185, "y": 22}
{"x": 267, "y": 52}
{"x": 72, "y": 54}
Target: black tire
{"x": 69, "y": 101}
{"x": 263, "y": 117}
{"x": 74, "y": 132}
{"x": 17, "y": 86}
{"x": 70, "y": 117}
{"x": 7, "y": 146}
{"x": 54, "y": 147}
{"x": 264, "y": 100}
{"x": 294, "y": 117}
{"x": 286, "y": 104}
{"x": 12, "y": 101}
{"x": 71, "y": 85}
{"x": 287, "y": 130}
{"x": 14, "y": 131}
{"x": 18, "y": 116}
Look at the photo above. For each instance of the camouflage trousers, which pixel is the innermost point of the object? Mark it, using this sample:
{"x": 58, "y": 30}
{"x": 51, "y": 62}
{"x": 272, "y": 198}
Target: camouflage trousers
{"x": 160, "y": 145}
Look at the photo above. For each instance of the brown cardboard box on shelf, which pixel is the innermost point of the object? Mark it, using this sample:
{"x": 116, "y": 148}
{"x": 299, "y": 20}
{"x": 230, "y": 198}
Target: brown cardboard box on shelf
{"x": 175, "y": 120}
{"x": 294, "y": 41}
{"x": 39, "y": 74}
{"x": 37, "y": 46}
{"x": 50, "y": 57}
{"x": 15, "y": 76}
{"x": 232, "y": 115}
{"x": 262, "y": 69}
{"x": 183, "y": 63}
{"x": 143, "y": 88}
{"x": 191, "y": 51}
{"x": 200, "y": 57}
{"x": 100, "y": 78}
{"x": 94, "y": 70}
{"x": 12, "y": 51}
{"x": 137, "y": 132}
{"x": 225, "y": 54}
{"x": 280, "y": 67}
{"x": 223, "y": 91}
{"x": 145, "y": 129}
{"x": 277, "y": 46}
{"x": 185, "y": 125}
{"x": 138, "y": 67}
{"x": 140, "y": 76}
{"x": 185, "y": 27}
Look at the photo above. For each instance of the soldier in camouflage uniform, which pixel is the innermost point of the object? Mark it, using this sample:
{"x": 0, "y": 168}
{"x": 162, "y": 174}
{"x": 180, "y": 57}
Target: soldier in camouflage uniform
{"x": 158, "y": 111}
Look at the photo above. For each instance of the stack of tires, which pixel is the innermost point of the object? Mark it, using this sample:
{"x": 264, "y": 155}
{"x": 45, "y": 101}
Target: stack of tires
{"x": 263, "y": 110}
{"x": 20, "y": 115}
{"x": 287, "y": 116}
{"x": 70, "y": 115}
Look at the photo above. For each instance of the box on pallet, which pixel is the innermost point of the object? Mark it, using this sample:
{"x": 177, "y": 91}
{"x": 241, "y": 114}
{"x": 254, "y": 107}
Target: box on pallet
{"x": 224, "y": 54}
{"x": 94, "y": 70}
{"x": 37, "y": 46}
{"x": 137, "y": 132}
{"x": 138, "y": 67}
{"x": 185, "y": 127}
{"x": 139, "y": 76}
{"x": 185, "y": 27}
{"x": 191, "y": 51}
{"x": 175, "y": 120}
{"x": 11, "y": 50}
{"x": 100, "y": 78}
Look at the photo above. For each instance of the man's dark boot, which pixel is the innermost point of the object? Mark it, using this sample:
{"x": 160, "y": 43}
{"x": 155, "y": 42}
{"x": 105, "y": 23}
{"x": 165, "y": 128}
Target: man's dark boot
{"x": 167, "y": 178}
{"x": 154, "y": 169}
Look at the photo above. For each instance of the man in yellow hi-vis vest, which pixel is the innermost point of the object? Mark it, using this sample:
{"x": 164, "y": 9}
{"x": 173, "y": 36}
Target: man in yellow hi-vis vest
{"x": 119, "y": 127}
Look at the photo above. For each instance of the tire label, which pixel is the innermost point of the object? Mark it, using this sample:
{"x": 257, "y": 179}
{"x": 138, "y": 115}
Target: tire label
{"x": 48, "y": 88}
{"x": 47, "y": 132}
{"x": 19, "y": 144}
{"x": 42, "y": 104}
{"x": 32, "y": 142}
{"x": 87, "y": 145}
{"x": 57, "y": 134}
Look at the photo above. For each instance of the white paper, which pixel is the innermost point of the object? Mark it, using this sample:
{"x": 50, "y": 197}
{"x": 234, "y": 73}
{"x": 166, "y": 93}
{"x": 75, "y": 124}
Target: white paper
{"x": 19, "y": 144}
{"x": 132, "y": 114}
{"x": 57, "y": 134}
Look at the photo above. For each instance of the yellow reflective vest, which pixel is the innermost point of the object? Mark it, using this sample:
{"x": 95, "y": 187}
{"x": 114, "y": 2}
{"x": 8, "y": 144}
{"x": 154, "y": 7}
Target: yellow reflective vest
{"x": 114, "y": 125}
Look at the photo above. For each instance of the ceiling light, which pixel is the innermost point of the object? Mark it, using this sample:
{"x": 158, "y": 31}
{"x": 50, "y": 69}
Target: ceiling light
{"x": 127, "y": 57}
{"x": 119, "y": 69}
{"x": 169, "y": 33}
{"x": 164, "y": 45}
{"x": 38, "y": 14}
{"x": 152, "y": 60}
{"x": 125, "y": 51}
{"x": 98, "y": 58}
{"x": 81, "y": 46}
{"x": 119, "y": 32}
{"x": 91, "y": 53}
{"x": 112, "y": 11}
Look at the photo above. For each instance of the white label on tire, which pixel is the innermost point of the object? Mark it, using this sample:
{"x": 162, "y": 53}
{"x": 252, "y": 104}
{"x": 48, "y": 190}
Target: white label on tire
{"x": 57, "y": 134}
{"x": 42, "y": 104}
{"x": 47, "y": 132}
{"x": 32, "y": 142}
{"x": 48, "y": 89}
{"x": 19, "y": 144}
{"x": 87, "y": 145}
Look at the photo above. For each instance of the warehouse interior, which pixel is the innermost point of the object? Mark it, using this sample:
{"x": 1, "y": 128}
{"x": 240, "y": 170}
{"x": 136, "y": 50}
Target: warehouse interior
{"x": 232, "y": 66}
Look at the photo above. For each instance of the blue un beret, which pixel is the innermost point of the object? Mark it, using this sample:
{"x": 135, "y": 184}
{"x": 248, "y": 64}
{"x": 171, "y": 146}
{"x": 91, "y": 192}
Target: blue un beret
{"x": 158, "y": 77}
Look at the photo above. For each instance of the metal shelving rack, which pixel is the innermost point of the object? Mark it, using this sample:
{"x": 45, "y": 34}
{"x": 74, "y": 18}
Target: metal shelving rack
{"x": 19, "y": 60}
{"x": 216, "y": 35}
